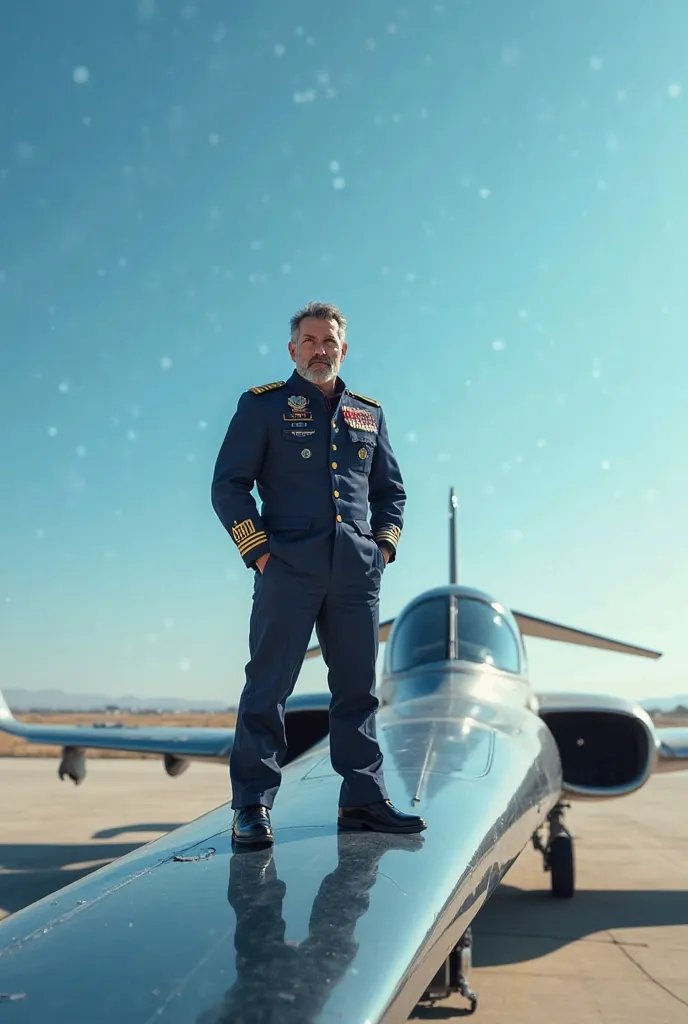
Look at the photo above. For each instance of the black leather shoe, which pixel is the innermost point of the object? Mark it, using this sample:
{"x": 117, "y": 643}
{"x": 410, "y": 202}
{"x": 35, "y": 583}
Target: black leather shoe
{"x": 252, "y": 825}
{"x": 381, "y": 816}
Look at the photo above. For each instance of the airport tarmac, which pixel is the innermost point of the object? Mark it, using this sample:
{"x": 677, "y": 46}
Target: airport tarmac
{"x": 616, "y": 952}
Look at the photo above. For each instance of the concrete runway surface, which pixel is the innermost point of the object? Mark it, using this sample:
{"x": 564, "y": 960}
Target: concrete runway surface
{"x": 616, "y": 952}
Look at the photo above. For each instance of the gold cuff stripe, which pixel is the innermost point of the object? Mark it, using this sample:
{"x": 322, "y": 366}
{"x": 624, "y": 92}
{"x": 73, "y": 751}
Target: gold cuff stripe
{"x": 393, "y": 530}
{"x": 389, "y": 536}
{"x": 252, "y": 542}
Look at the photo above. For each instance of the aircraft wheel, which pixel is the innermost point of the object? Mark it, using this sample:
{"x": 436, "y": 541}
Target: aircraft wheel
{"x": 561, "y": 866}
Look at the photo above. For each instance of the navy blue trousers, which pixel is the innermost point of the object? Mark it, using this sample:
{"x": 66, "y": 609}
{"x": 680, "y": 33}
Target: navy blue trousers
{"x": 328, "y": 579}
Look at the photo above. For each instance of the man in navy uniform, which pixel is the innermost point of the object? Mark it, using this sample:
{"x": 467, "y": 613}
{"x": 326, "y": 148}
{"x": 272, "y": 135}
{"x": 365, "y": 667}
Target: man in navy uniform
{"x": 321, "y": 458}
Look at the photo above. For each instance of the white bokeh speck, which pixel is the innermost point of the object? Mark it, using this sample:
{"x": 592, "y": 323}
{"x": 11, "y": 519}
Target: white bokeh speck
{"x": 165, "y": 363}
{"x": 81, "y": 75}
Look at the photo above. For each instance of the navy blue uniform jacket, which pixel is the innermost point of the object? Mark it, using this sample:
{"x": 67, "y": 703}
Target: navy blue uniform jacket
{"x": 309, "y": 464}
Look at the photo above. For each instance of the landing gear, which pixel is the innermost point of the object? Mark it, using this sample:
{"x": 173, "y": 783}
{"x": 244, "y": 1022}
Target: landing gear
{"x": 174, "y": 765}
{"x": 453, "y": 976}
{"x": 557, "y": 855}
{"x": 73, "y": 764}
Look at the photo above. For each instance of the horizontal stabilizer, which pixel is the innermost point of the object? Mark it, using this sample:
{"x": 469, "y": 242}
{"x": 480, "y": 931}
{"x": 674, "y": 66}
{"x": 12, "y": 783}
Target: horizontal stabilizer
{"x": 384, "y": 628}
{"x": 543, "y": 628}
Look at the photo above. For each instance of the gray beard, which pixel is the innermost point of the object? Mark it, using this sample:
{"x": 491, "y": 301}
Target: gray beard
{"x": 316, "y": 375}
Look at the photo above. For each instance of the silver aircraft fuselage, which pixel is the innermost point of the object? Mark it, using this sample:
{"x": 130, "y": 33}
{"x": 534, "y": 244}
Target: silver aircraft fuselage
{"x": 331, "y": 927}
{"x": 325, "y": 927}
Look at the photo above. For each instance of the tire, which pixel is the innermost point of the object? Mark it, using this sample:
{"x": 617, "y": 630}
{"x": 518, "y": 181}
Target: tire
{"x": 562, "y": 868}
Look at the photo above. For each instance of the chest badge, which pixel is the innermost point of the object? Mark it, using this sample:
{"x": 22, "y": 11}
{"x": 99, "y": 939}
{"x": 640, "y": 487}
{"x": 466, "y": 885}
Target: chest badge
{"x": 306, "y": 453}
{"x": 297, "y": 402}
{"x": 298, "y": 409}
{"x": 363, "y": 453}
{"x": 359, "y": 419}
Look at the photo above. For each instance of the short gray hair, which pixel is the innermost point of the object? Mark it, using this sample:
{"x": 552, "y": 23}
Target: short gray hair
{"x": 321, "y": 310}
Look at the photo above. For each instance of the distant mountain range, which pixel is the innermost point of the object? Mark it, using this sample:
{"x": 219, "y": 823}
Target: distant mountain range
{"x": 58, "y": 700}
{"x": 666, "y": 703}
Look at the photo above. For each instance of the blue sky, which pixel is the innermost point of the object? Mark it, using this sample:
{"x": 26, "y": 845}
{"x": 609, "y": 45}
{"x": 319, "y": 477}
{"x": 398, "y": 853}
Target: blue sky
{"x": 494, "y": 193}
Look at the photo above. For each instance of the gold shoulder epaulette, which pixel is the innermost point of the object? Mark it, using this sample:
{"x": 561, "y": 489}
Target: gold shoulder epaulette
{"x": 260, "y": 389}
{"x": 364, "y": 398}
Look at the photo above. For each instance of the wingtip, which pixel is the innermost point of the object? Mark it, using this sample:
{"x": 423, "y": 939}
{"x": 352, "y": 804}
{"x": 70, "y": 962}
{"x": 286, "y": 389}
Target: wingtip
{"x": 5, "y": 713}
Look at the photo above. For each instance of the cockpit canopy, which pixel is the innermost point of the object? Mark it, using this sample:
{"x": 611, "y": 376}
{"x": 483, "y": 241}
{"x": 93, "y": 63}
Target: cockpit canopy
{"x": 455, "y": 626}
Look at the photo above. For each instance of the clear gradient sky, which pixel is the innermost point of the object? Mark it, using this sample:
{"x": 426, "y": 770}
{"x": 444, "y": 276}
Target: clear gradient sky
{"x": 496, "y": 195}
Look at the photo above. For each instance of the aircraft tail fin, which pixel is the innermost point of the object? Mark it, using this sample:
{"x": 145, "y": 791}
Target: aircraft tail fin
{"x": 546, "y": 630}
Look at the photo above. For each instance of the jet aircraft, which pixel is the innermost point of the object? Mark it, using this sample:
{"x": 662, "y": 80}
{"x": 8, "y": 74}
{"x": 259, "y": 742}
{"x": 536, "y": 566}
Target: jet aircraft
{"x": 313, "y": 930}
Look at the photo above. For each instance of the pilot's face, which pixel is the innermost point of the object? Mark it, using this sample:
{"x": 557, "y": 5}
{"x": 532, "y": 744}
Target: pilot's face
{"x": 319, "y": 350}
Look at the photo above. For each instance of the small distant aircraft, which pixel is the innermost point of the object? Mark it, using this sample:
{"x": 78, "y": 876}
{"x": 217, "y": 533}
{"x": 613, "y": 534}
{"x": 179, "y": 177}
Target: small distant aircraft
{"x": 491, "y": 765}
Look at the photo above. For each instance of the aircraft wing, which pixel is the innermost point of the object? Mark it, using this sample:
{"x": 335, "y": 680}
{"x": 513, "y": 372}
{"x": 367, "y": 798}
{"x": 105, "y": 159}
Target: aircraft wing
{"x": 384, "y": 628}
{"x": 532, "y": 626}
{"x": 184, "y": 929}
{"x": 306, "y": 723}
{"x": 194, "y": 743}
